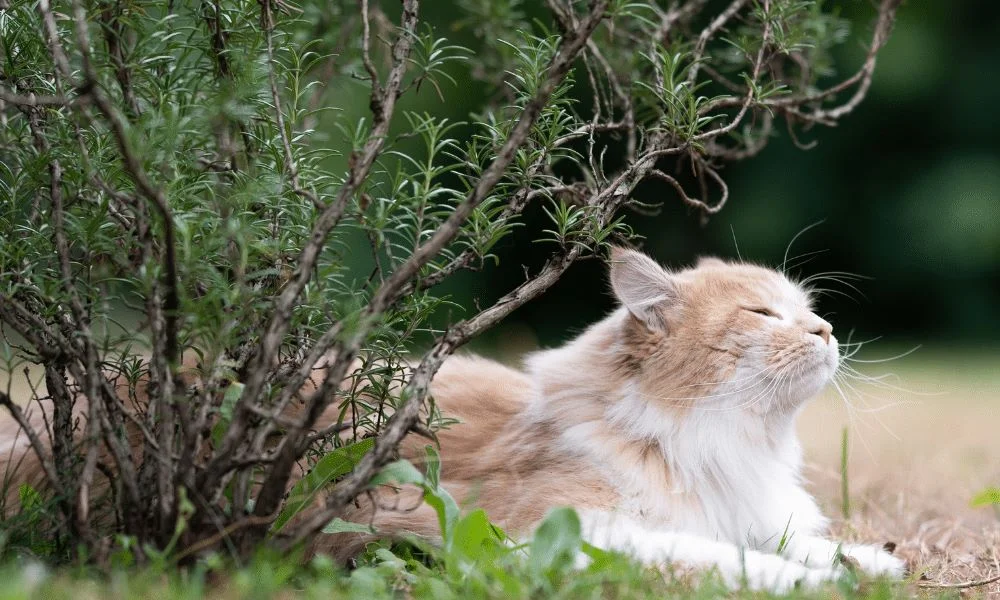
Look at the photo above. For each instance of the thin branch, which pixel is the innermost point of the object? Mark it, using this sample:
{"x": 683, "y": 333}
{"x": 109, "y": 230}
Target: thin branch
{"x": 883, "y": 26}
{"x": 165, "y": 360}
{"x": 748, "y": 99}
{"x": 886, "y": 18}
{"x": 708, "y": 33}
{"x": 277, "y": 328}
{"x": 702, "y": 205}
{"x": 366, "y": 58}
{"x": 962, "y": 585}
{"x": 48, "y": 467}
{"x": 35, "y": 101}
{"x": 569, "y": 48}
{"x": 135, "y": 170}
{"x": 290, "y": 166}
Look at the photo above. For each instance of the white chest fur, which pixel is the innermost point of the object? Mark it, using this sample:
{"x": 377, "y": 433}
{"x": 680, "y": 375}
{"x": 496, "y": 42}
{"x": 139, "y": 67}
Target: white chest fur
{"x": 718, "y": 474}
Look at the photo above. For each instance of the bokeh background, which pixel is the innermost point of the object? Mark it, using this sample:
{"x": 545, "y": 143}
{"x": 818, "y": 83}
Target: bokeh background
{"x": 907, "y": 189}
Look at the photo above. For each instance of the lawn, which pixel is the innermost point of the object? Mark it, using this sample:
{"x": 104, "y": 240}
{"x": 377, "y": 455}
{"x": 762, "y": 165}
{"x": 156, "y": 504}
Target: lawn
{"x": 920, "y": 445}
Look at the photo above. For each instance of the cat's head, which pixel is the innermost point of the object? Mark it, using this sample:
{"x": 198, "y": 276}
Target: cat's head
{"x": 720, "y": 335}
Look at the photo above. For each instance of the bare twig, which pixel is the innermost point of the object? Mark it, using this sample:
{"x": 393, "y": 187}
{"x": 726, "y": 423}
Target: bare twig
{"x": 290, "y": 166}
{"x": 883, "y": 26}
{"x": 961, "y": 585}
{"x": 167, "y": 357}
{"x": 702, "y": 205}
{"x": 383, "y": 106}
{"x": 708, "y": 33}
{"x": 401, "y": 422}
{"x": 35, "y": 101}
{"x": 48, "y": 467}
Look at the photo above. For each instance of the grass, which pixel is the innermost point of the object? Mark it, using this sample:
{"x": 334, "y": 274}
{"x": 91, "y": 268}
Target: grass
{"x": 916, "y": 460}
{"x": 845, "y": 485}
{"x": 395, "y": 575}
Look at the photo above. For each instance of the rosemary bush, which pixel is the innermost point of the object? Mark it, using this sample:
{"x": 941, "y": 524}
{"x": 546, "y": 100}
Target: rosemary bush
{"x": 177, "y": 163}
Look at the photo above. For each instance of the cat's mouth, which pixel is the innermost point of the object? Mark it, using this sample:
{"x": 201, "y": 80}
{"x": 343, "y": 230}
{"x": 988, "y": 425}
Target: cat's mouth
{"x": 815, "y": 373}
{"x": 806, "y": 376}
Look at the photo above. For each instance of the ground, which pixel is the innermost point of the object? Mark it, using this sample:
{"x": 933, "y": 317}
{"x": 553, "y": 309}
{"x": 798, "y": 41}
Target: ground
{"x": 920, "y": 447}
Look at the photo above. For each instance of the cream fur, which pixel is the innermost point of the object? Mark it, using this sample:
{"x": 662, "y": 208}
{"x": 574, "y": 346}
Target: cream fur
{"x": 669, "y": 425}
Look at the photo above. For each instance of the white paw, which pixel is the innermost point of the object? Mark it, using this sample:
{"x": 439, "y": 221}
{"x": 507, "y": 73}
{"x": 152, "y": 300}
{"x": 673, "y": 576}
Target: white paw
{"x": 876, "y": 561}
{"x": 775, "y": 574}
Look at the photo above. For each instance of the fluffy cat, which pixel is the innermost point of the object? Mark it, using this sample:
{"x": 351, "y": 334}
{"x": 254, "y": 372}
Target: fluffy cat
{"x": 669, "y": 425}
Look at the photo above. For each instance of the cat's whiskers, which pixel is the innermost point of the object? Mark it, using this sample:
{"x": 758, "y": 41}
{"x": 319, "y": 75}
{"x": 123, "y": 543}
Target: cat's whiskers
{"x": 788, "y": 248}
{"x": 882, "y": 360}
{"x": 770, "y": 404}
{"x": 777, "y": 377}
{"x": 802, "y": 259}
{"x": 852, "y": 420}
{"x": 843, "y": 278}
{"x": 852, "y": 348}
{"x": 770, "y": 392}
{"x": 755, "y": 376}
{"x": 879, "y": 381}
{"x": 765, "y": 353}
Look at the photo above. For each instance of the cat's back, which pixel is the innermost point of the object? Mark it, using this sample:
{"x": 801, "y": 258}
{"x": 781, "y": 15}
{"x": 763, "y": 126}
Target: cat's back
{"x": 485, "y": 397}
{"x": 497, "y": 456}
{"x": 480, "y": 392}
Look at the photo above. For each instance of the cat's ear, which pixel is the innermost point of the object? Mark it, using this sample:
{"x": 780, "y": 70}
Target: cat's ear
{"x": 642, "y": 286}
{"x": 710, "y": 261}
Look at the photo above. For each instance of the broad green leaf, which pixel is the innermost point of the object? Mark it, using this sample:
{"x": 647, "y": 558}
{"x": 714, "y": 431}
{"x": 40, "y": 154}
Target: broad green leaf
{"x": 433, "y": 467}
{"x": 990, "y": 495}
{"x": 473, "y": 538}
{"x": 438, "y": 498}
{"x": 599, "y": 558}
{"x": 399, "y": 472}
{"x": 233, "y": 393}
{"x": 335, "y": 464}
{"x": 446, "y": 508}
{"x": 431, "y": 587}
{"x": 339, "y": 525}
{"x": 403, "y": 472}
{"x": 556, "y": 541}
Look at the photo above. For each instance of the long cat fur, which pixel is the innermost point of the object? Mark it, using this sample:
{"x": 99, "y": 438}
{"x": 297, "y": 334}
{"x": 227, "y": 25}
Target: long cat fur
{"x": 669, "y": 426}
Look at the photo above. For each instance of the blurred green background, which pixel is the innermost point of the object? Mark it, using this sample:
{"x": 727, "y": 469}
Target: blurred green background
{"x": 908, "y": 188}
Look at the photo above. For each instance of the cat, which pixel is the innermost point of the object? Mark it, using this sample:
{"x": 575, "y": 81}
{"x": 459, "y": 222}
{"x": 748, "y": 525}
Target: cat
{"x": 668, "y": 425}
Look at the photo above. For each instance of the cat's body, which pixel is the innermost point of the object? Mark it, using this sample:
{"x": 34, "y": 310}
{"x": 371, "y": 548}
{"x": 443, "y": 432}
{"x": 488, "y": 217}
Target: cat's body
{"x": 669, "y": 425}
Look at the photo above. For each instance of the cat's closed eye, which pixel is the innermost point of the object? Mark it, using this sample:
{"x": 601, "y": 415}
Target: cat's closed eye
{"x": 767, "y": 312}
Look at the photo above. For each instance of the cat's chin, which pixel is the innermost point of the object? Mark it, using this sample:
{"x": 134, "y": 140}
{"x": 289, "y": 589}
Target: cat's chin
{"x": 812, "y": 381}
{"x": 819, "y": 374}
{"x": 808, "y": 386}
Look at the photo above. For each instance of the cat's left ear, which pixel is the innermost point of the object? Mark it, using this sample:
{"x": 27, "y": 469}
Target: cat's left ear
{"x": 642, "y": 286}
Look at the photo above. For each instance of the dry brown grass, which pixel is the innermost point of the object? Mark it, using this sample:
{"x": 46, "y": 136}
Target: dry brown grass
{"x": 916, "y": 462}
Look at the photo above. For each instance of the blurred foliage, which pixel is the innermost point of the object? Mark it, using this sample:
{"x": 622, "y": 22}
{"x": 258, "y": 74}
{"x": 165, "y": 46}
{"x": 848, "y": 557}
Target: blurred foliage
{"x": 907, "y": 187}
{"x": 480, "y": 563}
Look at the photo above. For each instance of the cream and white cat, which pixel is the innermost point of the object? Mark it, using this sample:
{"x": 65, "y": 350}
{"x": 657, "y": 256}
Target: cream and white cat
{"x": 669, "y": 425}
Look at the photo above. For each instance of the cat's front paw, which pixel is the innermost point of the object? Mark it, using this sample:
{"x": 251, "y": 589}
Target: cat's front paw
{"x": 777, "y": 575}
{"x": 875, "y": 561}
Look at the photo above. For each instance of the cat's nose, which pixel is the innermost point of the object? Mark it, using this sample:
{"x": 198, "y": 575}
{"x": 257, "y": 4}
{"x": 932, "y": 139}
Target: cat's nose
{"x": 822, "y": 329}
